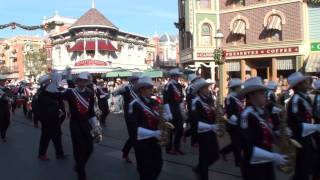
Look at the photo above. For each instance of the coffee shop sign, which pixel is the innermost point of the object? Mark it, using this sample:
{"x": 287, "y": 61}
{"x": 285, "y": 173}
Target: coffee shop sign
{"x": 263, "y": 51}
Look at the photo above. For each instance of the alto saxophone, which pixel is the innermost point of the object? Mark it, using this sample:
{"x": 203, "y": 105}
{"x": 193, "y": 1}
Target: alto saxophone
{"x": 220, "y": 118}
{"x": 165, "y": 127}
{"x": 287, "y": 145}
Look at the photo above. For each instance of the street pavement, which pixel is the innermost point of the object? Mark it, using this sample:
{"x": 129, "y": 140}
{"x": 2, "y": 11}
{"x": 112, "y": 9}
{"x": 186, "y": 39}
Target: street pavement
{"x": 18, "y": 157}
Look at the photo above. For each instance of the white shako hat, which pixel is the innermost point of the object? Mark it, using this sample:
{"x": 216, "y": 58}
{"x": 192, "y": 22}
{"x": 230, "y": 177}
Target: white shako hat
{"x": 251, "y": 85}
{"x": 296, "y": 78}
{"x": 199, "y": 84}
{"x": 144, "y": 81}
{"x": 174, "y": 72}
{"x": 235, "y": 82}
{"x": 84, "y": 75}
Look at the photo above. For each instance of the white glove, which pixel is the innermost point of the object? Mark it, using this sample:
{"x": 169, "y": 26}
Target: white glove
{"x": 264, "y": 155}
{"x": 233, "y": 120}
{"x": 308, "y": 129}
{"x": 167, "y": 113}
{"x": 144, "y": 133}
{"x": 96, "y": 131}
{"x": 204, "y": 127}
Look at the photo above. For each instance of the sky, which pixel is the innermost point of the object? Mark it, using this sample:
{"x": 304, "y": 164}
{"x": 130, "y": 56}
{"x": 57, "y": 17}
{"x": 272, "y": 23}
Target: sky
{"x": 143, "y": 17}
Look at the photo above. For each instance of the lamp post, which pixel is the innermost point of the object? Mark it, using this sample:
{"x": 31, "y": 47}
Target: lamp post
{"x": 219, "y": 59}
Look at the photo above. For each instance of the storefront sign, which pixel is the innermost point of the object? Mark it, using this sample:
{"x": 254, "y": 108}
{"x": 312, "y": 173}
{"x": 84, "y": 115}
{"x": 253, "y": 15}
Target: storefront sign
{"x": 205, "y": 55}
{"x": 263, "y": 51}
{"x": 91, "y": 62}
{"x": 315, "y": 46}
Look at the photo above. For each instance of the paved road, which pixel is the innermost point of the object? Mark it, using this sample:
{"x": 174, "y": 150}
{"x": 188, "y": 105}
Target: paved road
{"x": 18, "y": 157}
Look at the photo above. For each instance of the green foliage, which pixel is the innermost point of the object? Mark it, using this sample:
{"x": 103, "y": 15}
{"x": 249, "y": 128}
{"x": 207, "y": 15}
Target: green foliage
{"x": 36, "y": 62}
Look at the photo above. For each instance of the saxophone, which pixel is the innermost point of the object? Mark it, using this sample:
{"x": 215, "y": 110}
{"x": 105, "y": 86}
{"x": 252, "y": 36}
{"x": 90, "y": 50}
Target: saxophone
{"x": 220, "y": 118}
{"x": 287, "y": 145}
{"x": 165, "y": 127}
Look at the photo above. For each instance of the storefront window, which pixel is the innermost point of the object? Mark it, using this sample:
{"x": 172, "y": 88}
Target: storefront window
{"x": 206, "y": 35}
{"x": 205, "y": 4}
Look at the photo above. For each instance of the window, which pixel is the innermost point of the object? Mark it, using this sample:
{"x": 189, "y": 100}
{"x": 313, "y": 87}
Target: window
{"x": 238, "y": 32}
{"x": 274, "y": 28}
{"x": 205, "y": 4}
{"x": 206, "y": 35}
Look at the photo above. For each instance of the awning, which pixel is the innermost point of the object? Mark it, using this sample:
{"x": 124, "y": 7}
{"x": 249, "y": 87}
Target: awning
{"x": 285, "y": 64}
{"x": 274, "y": 23}
{"x": 118, "y": 74}
{"x": 233, "y": 66}
{"x": 103, "y": 46}
{"x": 313, "y": 63}
{"x": 94, "y": 70}
{"x": 90, "y": 45}
{"x": 239, "y": 27}
{"x": 153, "y": 73}
{"x": 79, "y": 46}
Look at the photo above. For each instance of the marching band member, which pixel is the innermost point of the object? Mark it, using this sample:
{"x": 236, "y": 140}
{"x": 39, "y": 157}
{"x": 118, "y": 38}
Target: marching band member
{"x": 128, "y": 94}
{"x": 234, "y": 106}
{"x": 189, "y": 97}
{"x": 24, "y": 93}
{"x": 203, "y": 115}
{"x": 257, "y": 133}
{"x": 144, "y": 117}
{"x": 272, "y": 106}
{"x": 102, "y": 96}
{"x": 173, "y": 107}
{"x": 316, "y": 116}
{"x": 84, "y": 126}
{"x": 49, "y": 112}
{"x": 302, "y": 125}
{"x": 4, "y": 108}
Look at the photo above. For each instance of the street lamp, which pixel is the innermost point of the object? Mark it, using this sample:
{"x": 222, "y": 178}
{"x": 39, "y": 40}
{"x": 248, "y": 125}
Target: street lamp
{"x": 219, "y": 59}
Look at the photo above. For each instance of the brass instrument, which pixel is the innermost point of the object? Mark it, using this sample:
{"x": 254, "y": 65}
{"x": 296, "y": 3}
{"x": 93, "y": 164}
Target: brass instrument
{"x": 287, "y": 145}
{"x": 165, "y": 127}
{"x": 220, "y": 118}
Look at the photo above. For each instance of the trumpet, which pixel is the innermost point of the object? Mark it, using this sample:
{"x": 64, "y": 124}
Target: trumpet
{"x": 165, "y": 127}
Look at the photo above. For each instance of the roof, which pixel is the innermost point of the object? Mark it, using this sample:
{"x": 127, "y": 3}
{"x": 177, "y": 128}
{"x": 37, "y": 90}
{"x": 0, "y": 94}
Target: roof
{"x": 93, "y": 18}
{"x": 167, "y": 38}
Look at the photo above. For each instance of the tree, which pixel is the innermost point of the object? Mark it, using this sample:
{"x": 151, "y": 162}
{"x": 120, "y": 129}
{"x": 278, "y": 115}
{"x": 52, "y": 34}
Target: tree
{"x": 36, "y": 62}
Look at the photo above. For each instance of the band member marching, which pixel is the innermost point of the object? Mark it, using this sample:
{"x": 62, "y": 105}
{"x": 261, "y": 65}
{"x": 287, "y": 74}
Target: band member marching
{"x": 4, "y": 108}
{"x": 272, "y": 106}
{"x": 234, "y": 106}
{"x": 173, "y": 107}
{"x": 144, "y": 119}
{"x": 102, "y": 96}
{"x": 257, "y": 134}
{"x": 302, "y": 125}
{"x": 316, "y": 116}
{"x": 189, "y": 98}
{"x": 203, "y": 115}
{"x": 84, "y": 126}
{"x": 49, "y": 112}
{"x": 128, "y": 95}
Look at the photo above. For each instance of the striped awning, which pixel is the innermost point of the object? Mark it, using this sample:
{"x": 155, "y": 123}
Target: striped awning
{"x": 313, "y": 62}
{"x": 79, "y": 46}
{"x": 233, "y": 66}
{"x": 239, "y": 27}
{"x": 285, "y": 64}
{"x": 274, "y": 23}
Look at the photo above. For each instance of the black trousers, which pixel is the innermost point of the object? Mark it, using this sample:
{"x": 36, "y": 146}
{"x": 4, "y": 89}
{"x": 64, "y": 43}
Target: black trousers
{"x": 263, "y": 171}
{"x": 82, "y": 143}
{"x": 208, "y": 153}
{"x": 176, "y": 134}
{"x": 3, "y": 133}
{"x": 129, "y": 143}
{"x": 235, "y": 145}
{"x": 48, "y": 135}
{"x": 305, "y": 160}
{"x": 103, "y": 106}
{"x": 149, "y": 158}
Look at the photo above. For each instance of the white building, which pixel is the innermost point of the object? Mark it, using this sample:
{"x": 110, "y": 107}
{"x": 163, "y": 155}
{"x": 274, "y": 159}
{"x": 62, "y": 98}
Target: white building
{"x": 93, "y": 43}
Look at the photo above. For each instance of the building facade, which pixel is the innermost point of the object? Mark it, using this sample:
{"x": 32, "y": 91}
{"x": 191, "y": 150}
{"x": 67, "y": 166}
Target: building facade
{"x": 313, "y": 60}
{"x": 267, "y": 38}
{"x": 93, "y": 43}
{"x": 197, "y": 28}
{"x": 13, "y": 55}
{"x": 166, "y": 51}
